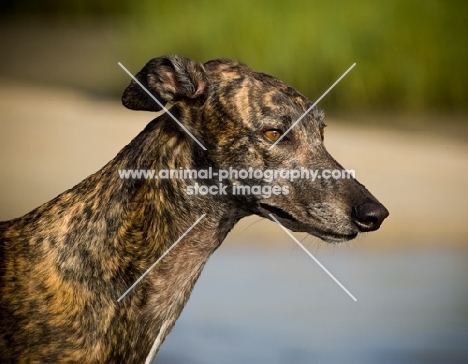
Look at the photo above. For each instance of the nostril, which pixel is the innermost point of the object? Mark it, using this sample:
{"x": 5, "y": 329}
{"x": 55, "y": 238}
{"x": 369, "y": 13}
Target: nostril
{"x": 369, "y": 216}
{"x": 370, "y": 220}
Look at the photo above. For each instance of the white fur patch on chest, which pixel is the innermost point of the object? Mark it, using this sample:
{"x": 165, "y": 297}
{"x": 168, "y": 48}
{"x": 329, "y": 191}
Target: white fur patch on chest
{"x": 157, "y": 343}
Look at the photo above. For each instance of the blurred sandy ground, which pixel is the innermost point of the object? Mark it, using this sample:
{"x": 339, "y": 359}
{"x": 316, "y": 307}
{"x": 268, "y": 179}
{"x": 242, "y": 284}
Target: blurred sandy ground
{"x": 52, "y": 138}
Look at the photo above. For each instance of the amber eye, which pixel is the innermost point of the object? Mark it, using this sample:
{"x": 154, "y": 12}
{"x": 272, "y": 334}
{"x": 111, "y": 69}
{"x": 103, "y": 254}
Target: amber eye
{"x": 273, "y": 134}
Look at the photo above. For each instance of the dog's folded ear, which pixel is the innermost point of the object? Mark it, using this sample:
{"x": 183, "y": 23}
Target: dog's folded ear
{"x": 169, "y": 79}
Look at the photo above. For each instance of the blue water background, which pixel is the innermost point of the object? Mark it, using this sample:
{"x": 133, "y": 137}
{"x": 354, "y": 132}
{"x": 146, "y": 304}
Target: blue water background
{"x": 254, "y": 304}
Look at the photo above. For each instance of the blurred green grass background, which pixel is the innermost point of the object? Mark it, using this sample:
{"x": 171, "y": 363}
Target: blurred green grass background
{"x": 411, "y": 55}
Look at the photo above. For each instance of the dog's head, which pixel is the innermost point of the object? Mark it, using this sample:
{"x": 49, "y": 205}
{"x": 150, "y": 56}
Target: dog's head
{"x": 244, "y": 119}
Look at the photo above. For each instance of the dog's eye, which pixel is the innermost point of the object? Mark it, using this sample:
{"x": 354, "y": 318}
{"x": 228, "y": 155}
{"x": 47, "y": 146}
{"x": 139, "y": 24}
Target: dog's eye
{"x": 273, "y": 134}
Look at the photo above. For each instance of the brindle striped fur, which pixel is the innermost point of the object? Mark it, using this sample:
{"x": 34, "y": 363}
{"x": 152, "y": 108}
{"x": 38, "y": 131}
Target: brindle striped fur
{"x": 64, "y": 264}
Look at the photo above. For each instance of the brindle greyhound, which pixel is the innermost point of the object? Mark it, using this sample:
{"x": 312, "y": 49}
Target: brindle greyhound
{"x": 64, "y": 264}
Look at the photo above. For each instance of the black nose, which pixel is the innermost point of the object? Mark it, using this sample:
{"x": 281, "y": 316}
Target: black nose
{"x": 368, "y": 216}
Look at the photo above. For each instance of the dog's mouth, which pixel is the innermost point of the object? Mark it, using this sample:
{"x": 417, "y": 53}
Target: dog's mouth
{"x": 289, "y": 221}
{"x": 278, "y": 212}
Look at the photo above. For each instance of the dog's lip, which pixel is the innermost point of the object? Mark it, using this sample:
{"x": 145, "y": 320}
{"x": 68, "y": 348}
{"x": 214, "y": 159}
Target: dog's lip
{"x": 278, "y": 212}
{"x": 328, "y": 236}
{"x": 335, "y": 238}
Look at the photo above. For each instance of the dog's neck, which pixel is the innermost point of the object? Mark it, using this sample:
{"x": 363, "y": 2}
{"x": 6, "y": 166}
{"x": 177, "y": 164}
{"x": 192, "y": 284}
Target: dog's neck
{"x": 153, "y": 221}
{"x": 108, "y": 232}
